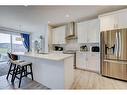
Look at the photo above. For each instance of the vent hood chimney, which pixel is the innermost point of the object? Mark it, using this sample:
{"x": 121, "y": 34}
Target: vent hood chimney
{"x": 70, "y": 31}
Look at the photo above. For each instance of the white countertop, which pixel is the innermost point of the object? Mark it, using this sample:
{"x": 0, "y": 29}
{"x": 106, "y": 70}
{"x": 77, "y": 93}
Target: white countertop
{"x": 88, "y": 52}
{"x": 49, "y": 56}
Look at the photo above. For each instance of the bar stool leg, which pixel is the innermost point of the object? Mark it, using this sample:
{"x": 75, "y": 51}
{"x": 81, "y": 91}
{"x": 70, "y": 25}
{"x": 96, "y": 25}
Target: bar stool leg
{"x": 21, "y": 72}
{"x": 16, "y": 72}
{"x": 12, "y": 79}
{"x": 25, "y": 70}
{"x": 9, "y": 71}
{"x": 31, "y": 71}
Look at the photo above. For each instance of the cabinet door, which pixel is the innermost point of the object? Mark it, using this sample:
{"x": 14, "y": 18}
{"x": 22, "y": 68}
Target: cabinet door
{"x": 81, "y": 61}
{"x": 93, "y": 31}
{"x": 108, "y": 22}
{"x": 55, "y": 36}
{"x": 59, "y": 35}
{"x": 122, "y": 19}
{"x": 82, "y": 29}
{"x": 93, "y": 62}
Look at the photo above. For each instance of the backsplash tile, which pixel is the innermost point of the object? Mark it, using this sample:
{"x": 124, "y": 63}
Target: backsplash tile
{"x": 73, "y": 45}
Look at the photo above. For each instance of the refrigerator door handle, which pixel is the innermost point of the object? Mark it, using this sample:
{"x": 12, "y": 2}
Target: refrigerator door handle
{"x": 120, "y": 44}
{"x": 117, "y": 45}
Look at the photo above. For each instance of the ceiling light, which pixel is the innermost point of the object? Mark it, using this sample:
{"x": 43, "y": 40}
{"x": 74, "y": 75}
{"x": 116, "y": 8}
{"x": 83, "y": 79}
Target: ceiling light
{"x": 67, "y": 15}
{"x": 25, "y": 5}
{"x": 49, "y": 22}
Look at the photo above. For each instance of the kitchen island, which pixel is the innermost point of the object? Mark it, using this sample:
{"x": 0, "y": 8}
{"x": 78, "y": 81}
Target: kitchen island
{"x": 54, "y": 70}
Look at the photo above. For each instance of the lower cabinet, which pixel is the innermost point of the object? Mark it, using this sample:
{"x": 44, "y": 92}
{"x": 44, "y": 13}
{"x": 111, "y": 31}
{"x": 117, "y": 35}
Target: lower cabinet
{"x": 81, "y": 60}
{"x": 88, "y": 61}
{"x": 93, "y": 62}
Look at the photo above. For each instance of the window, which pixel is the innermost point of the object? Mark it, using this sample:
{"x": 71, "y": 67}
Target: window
{"x": 5, "y": 45}
{"x": 17, "y": 44}
{"x": 11, "y": 42}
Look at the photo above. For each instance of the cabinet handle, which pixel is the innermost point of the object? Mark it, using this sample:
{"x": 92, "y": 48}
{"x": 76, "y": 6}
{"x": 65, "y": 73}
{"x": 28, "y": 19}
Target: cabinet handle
{"x": 116, "y": 25}
{"x": 87, "y": 40}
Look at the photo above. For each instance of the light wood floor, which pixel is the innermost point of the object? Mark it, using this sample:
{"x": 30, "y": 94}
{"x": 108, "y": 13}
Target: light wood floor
{"x": 82, "y": 80}
{"x": 90, "y": 80}
{"x": 27, "y": 83}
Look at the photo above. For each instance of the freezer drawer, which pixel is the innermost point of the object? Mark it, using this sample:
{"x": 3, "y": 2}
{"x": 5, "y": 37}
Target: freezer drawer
{"x": 114, "y": 70}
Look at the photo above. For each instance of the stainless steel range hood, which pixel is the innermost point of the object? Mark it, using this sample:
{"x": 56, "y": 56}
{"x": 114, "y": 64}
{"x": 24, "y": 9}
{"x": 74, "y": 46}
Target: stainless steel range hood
{"x": 71, "y": 31}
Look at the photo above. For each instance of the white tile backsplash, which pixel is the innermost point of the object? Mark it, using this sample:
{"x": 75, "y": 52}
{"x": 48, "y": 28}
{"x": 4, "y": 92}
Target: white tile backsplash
{"x": 73, "y": 45}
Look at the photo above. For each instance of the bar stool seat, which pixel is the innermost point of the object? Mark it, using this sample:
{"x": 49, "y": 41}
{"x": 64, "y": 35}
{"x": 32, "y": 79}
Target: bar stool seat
{"x": 16, "y": 61}
{"x": 20, "y": 62}
{"x": 22, "y": 71}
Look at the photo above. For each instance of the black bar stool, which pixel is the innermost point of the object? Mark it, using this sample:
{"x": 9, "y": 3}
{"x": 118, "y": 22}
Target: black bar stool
{"x": 12, "y": 67}
{"x": 22, "y": 70}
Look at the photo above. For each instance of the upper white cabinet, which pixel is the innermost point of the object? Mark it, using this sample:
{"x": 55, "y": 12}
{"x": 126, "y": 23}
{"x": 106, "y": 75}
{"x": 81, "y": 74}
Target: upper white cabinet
{"x": 108, "y": 22}
{"x": 88, "y": 31}
{"x": 58, "y": 35}
{"x": 113, "y": 20}
{"x": 122, "y": 19}
{"x": 93, "y": 31}
{"x": 82, "y": 32}
{"x": 55, "y": 36}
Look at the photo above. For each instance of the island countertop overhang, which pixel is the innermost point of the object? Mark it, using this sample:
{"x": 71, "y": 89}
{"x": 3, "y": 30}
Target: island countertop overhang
{"x": 49, "y": 56}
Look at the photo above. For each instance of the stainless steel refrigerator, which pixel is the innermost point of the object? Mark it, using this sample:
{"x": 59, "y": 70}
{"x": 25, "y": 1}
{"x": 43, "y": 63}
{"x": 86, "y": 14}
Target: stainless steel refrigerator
{"x": 114, "y": 53}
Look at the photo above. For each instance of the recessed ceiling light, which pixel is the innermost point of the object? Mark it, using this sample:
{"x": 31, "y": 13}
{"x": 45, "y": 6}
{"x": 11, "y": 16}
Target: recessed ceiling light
{"x": 67, "y": 15}
{"x": 49, "y": 22}
{"x": 25, "y": 5}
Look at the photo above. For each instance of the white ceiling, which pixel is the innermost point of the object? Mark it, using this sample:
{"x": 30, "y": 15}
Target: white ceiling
{"x": 32, "y": 18}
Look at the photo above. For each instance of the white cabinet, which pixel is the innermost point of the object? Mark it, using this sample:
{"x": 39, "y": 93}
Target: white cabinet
{"x": 122, "y": 19}
{"x": 55, "y": 36}
{"x": 93, "y": 31}
{"x": 108, "y": 22}
{"x": 93, "y": 62}
{"x": 88, "y": 61}
{"x": 58, "y": 35}
{"x": 88, "y": 31}
{"x": 82, "y": 32}
{"x": 113, "y": 20}
{"x": 81, "y": 60}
